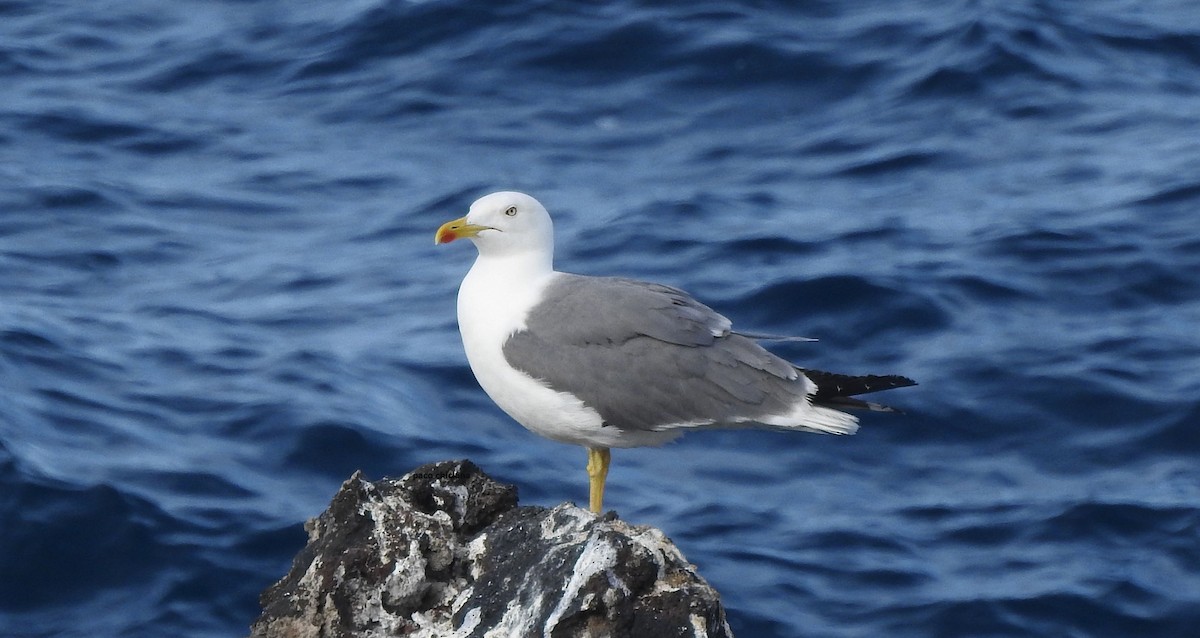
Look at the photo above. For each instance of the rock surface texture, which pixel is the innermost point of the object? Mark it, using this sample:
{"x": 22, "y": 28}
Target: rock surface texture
{"x": 446, "y": 552}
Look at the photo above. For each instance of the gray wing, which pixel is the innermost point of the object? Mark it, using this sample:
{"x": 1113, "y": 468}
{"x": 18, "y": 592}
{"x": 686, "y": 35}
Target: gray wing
{"x": 646, "y": 355}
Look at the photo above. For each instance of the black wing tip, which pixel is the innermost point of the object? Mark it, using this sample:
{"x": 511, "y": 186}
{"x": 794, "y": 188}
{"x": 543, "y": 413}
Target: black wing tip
{"x": 836, "y": 390}
{"x": 832, "y": 384}
{"x": 898, "y": 381}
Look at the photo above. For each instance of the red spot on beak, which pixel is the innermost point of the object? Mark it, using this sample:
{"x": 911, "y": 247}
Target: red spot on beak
{"x": 446, "y": 236}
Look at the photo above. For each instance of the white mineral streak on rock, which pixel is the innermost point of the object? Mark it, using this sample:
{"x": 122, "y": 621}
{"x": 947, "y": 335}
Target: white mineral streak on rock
{"x": 460, "y": 497}
{"x": 663, "y": 551}
{"x": 598, "y": 556}
{"x": 433, "y": 625}
{"x": 407, "y": 583}
{"x": 552, "y": 529}
{"x": 475, "y": 551}
{"x": 520, "y": 616}
{"x": 470, "y": 622}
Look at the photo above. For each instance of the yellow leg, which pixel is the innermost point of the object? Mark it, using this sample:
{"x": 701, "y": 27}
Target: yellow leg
{"x": 597, "y": 467}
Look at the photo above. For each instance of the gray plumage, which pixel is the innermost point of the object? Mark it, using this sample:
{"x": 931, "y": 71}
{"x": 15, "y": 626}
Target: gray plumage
{"x": 645, "y": 356}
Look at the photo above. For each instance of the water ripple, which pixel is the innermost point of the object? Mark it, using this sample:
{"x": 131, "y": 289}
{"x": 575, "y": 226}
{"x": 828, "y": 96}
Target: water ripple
{"x": 219, "y": 295}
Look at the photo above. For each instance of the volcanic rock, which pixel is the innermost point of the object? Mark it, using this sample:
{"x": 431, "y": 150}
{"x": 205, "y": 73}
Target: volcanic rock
{"x": 446, "y": 552}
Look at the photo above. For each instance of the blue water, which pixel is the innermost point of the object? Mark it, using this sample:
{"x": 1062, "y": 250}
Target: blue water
{"x": 219, "y": 294}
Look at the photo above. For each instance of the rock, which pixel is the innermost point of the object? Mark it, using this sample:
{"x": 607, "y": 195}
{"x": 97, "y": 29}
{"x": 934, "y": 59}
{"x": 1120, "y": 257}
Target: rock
{"x": 445, "y": 551}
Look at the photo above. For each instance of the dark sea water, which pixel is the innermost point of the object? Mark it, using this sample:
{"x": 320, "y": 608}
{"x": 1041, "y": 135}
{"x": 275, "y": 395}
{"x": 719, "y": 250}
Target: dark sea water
{"x": 219, "y": 294}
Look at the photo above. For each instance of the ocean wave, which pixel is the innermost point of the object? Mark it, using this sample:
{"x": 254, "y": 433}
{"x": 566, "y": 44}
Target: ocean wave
{"x": 219, "y": 294}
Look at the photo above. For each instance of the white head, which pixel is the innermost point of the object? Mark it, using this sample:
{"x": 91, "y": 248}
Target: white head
{"x": 504, "y": 223}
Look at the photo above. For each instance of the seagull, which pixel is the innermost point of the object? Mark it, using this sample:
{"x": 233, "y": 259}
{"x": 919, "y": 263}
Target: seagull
{"x": 609, "y": 362}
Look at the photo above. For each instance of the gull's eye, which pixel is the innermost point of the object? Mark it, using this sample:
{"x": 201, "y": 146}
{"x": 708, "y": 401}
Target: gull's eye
{"x": 511, "y": 211}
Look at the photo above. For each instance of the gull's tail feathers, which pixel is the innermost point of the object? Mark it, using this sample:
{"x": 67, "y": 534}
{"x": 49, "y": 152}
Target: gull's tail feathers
{"x": 805, "y": 416}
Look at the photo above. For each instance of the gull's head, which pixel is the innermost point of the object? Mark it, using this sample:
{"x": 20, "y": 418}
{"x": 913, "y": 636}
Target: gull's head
{"x": 502, "y": 223}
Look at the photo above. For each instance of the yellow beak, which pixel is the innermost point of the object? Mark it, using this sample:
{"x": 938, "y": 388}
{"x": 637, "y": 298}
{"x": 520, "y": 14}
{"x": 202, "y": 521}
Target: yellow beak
{"x": 457, "y": 229}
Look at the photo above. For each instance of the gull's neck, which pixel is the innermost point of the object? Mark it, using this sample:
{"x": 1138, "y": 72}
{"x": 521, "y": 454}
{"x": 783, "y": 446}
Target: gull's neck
{"x": 515, "y": 267}
{"x": 497, "y": 293}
